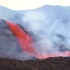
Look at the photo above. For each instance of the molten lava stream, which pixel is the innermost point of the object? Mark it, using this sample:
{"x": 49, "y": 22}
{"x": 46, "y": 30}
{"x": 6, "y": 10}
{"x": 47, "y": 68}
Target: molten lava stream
{"x": 26, "y": 42}
{"x": 24, "y": 39}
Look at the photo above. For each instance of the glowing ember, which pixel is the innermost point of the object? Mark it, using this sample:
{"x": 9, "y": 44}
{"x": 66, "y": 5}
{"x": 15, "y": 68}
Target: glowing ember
{"x": 26, "y": 42}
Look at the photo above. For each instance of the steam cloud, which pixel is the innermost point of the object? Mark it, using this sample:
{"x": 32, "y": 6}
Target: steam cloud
{"x": 51, "y": 25}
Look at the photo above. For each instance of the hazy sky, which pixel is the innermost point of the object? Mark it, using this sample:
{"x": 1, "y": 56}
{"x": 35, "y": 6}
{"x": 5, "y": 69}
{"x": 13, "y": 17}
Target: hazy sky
{"x": 29, "y": 4}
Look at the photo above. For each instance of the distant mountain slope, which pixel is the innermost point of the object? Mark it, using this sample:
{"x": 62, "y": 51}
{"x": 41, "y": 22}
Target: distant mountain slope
{"x": 9, "y": 15}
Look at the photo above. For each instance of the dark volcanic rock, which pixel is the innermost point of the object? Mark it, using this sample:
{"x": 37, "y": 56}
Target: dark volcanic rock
{"x": 59, "y": 63}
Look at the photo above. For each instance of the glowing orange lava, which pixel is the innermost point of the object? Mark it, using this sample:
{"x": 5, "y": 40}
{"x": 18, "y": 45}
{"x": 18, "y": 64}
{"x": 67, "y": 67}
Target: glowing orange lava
{"x": 64, "y": 54}
{"x": 25, "y": 40}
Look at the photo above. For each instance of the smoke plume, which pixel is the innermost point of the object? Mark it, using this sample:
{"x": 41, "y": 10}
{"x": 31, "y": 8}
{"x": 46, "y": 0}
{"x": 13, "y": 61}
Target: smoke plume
{"x": 51, "y": 26}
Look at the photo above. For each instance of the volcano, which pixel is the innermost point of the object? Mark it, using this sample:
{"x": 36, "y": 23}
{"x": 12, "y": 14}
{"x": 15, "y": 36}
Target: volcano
{"x": 38, "y": 33}
{"x": 35, "y": 39}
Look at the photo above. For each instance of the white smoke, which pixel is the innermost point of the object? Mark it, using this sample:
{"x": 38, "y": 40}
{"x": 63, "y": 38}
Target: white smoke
{"x": 52, "y": 26}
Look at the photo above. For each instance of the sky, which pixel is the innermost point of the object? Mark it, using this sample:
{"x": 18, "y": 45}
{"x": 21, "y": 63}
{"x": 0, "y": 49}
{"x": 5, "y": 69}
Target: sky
{"x": 31, "y": 4}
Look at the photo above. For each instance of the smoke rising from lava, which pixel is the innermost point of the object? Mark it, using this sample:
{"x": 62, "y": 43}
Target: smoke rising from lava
{"x": 51, "y": 27}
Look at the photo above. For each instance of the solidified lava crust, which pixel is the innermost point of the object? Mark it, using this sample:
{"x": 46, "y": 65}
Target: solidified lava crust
{"x": 57, "y": 63}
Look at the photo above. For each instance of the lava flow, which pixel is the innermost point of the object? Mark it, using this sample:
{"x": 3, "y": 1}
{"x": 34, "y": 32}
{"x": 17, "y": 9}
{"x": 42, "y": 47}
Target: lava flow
{"x": 26, "y": 42}
{"x": 61, "y": 54}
